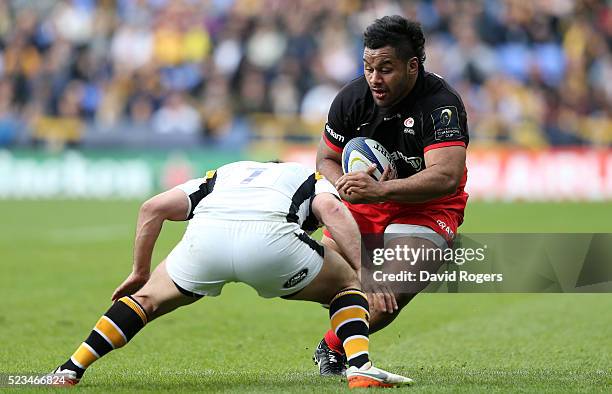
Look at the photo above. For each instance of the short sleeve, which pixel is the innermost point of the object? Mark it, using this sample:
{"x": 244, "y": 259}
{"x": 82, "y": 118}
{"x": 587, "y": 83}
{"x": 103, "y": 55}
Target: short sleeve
{"x": 338, "y": 131}
{"x": 445, "y": 124}
{"x": 191, "y": 185}
{"x": 197, "y": 189}
{"x": 322, "y": 185}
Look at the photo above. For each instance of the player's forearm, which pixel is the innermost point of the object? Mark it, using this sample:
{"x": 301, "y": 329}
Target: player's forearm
{"x": 345, "y": 232}
{"x": 148, "y": 230}
{"x": 426, "y": 185}
{"x": 170, "y": 205}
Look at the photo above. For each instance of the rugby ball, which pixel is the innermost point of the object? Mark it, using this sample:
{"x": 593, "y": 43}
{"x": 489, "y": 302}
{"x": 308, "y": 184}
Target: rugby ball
{"x": 361, "y": 152}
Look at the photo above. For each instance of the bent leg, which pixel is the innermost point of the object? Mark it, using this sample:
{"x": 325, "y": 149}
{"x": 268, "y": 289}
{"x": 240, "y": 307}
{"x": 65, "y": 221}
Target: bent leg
{"x": 337, "y": 285}
{"x": 335, "y": 275}
{"x": 160, "y": 295}
{"x": 124, "y": 319}
{"x": 379, "y": 318}
{"x": 405, "y": 292}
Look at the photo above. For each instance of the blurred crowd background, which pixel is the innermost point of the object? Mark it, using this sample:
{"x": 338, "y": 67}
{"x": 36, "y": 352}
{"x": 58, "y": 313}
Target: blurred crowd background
{"x": 229, "y": 73}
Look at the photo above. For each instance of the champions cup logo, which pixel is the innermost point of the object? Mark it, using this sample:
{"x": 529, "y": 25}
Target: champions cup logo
{"x": 445, "y": 116}
{"x": 446, "y": 123}
{"x": 409, "y": 122}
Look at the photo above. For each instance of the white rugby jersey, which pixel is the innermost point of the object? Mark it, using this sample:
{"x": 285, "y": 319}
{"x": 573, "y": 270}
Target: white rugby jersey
{"x": 249, "y": 190}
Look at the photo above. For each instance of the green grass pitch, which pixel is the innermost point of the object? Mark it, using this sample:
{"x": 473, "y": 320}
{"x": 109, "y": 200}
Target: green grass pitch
{"x": 61, "y": 260}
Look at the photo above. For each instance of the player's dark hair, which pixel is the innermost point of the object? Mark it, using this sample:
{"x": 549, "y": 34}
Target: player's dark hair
{"x": 404, "y": 35}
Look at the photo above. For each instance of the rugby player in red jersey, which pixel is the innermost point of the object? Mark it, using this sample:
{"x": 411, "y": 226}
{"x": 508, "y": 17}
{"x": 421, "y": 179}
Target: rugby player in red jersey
{"x": 422, "y": 122}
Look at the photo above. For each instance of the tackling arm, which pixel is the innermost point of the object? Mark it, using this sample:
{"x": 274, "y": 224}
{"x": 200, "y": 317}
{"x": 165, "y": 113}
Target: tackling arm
{"x": 340, "y": 223}
{"x": 169, "y": 205}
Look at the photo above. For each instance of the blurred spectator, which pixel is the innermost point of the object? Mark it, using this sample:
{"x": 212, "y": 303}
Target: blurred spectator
{"x": 9, "y": 121}
{"x": 531, "y": 73}
{"x": 317, "y": 101}
{"x": 131, "y": 48}
{"x": 176, "y": 116}
{"x": 284, "y": 95}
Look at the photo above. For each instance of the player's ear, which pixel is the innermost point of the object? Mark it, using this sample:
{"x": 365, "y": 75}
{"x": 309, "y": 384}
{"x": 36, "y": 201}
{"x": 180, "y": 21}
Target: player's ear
{"x": 413, "y": 66}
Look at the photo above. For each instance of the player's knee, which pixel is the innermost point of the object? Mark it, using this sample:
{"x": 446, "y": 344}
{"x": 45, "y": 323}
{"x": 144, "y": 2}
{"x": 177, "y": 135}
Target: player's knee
{"x": 349, "y": 279}
{"x": 330, "y": 243}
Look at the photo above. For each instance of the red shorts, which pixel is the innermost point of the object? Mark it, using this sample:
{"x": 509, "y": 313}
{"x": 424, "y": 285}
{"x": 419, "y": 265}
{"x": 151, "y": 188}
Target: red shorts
{"x": 374, "y": 218}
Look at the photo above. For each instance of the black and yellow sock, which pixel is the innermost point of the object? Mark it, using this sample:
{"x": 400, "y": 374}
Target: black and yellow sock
{"x": 118, "y": 325}
{"x": 349, "y": 314}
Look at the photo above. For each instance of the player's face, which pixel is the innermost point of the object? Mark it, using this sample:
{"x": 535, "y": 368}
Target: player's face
{"x": 390, "y": 78}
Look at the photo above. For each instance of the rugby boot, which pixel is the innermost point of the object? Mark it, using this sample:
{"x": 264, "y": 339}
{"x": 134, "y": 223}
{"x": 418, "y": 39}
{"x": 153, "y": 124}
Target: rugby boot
{"x": 330, "y": 362}
{"x": 370, "y": 376}
{"x": 62, "y": 377}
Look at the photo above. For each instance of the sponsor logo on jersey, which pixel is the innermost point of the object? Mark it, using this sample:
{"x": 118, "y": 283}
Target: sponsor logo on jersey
{"x": 333, "y": 134}
{"x": 415, "y": 162}
{"x": 295, "y": 279}
{"x": 383, "y": 152}
{"x": 450, "y": 234}
{"x": 446, "y": 123}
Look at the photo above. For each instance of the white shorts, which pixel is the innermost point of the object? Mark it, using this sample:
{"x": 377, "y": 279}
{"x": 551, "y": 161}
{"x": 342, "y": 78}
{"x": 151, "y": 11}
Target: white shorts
{"x": 275, "y": 258}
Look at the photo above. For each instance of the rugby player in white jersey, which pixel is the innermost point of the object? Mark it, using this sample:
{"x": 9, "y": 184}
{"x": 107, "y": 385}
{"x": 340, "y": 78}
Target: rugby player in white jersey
{"x": 249, "y": 223}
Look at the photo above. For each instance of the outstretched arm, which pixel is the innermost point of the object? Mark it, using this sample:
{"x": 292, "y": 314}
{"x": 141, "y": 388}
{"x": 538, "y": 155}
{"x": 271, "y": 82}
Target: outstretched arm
{"x": 170, "y": 205}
